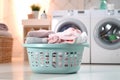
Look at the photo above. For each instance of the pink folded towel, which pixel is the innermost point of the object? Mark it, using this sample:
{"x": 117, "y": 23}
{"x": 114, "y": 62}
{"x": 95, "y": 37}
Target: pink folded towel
{"x": 39, "y": 33}
{"x": 68, "y": 36}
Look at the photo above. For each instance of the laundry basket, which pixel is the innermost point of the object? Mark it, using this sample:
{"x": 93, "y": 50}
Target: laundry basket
{"x": 55, "y": 58}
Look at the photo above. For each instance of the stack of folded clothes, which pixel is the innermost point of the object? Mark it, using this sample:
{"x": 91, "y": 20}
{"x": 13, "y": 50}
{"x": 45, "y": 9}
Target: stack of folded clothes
{"x": 4, "y": 30}
{"x": 38, "y": 36}
{"x": 70, "y": 36}
{"x": 6, "y": 44}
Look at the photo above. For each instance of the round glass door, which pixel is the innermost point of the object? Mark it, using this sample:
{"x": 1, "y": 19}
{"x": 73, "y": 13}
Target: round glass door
{"x": 66, "y": 26}
{"x": 107, "y": 33}
{"x": 67, "y": 23}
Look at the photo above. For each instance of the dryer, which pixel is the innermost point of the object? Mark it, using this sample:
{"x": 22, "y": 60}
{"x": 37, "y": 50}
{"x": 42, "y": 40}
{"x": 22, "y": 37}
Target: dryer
{"x": 105, "y": 36}
{"x": 63, "y": 19}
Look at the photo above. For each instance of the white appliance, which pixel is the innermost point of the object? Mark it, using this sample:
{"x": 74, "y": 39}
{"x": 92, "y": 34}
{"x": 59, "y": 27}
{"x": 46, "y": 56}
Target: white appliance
{"x": 105, "y": 36}
{"x": 64, "y": 19}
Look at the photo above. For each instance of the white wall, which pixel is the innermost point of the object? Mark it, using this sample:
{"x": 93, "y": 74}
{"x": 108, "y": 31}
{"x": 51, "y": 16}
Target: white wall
{"x": 65, "y": 5}
{"x": 116, "y": 2}
{"x": 95, "y": 3}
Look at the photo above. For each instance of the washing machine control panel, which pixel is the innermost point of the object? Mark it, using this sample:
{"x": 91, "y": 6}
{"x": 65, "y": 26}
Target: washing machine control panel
{"x": 75, "y": 12}
{"x": 79, "y": 12}
{"x": 119, "y": 11}
{"x": 67, "y": 13}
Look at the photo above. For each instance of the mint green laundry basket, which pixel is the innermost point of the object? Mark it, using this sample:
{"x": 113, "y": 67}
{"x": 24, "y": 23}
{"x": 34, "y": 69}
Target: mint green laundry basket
{"x": 55, "y": 58}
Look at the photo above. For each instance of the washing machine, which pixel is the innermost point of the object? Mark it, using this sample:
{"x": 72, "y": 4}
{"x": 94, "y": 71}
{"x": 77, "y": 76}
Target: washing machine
{"x": 63, "y": 19}
{"x": 105, "y": 36}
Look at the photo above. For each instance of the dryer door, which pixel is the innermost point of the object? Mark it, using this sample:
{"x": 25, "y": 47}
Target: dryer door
{"x": 107, "y": 33}
{"x": 70, "y": 22}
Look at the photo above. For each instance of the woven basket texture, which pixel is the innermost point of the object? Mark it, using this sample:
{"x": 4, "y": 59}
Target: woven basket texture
{"x": 6, "y": 49}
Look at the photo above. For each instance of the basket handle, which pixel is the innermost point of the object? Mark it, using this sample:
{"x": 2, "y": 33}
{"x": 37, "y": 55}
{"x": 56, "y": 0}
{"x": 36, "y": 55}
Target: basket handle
{"x": 86, "y": 44}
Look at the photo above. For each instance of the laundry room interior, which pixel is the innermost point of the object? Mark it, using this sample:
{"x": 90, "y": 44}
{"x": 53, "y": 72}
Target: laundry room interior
{"x": 59, "y": 39}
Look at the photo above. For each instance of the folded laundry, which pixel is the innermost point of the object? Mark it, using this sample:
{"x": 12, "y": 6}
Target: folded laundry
{"x": 3, "y": 27}
{"x": 61, "y": 38}
{"x": 35, "y": 40}
{"x": 71, "y": 35}
{"x": 39, "y": 33}
{"x": 82, "y": 38}
{"x": 5, "y": 33}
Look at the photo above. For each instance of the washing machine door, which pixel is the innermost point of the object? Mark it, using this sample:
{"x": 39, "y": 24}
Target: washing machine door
{"x": 107, "y": 33}
{"x": 70, "y": 22}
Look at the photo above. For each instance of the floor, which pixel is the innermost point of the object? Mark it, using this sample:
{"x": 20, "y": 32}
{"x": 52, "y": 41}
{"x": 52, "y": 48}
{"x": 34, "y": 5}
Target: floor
{"x": 20, "y": 70}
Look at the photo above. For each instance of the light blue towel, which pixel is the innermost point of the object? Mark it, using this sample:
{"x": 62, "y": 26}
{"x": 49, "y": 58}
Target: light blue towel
{"x": 35, "y": 40}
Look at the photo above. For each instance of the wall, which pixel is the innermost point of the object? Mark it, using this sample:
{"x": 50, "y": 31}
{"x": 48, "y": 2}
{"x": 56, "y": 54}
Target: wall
{"x": 65, "y": 5}
{"x": 7, "y": 16}
{"x": 91, "y": 4}
{"x": 13, "y": 11}
{"x": 1, "y": 9}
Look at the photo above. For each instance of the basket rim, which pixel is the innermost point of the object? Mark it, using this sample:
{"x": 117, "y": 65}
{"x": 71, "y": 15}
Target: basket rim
{"x": 56, "y": 45}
